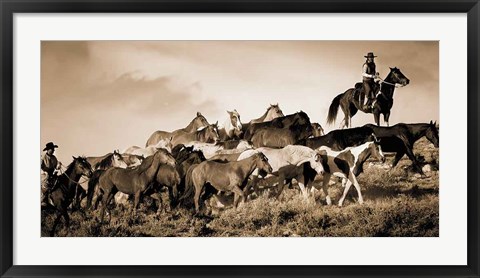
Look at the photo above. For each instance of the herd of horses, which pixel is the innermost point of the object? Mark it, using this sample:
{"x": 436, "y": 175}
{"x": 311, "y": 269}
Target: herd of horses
{"x": 204, "y": 160}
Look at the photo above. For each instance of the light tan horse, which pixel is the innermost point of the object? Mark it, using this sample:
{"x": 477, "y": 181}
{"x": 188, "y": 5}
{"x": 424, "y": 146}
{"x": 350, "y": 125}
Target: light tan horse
{"x": 207, "y": 134}
{"x": 198, "y": 122}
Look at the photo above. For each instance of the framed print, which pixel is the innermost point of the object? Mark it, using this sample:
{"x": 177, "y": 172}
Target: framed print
{"x": 185, "y": 139}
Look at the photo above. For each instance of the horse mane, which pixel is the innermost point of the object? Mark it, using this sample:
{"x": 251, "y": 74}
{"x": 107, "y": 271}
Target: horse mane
{"x": 104, "y": 163}
{"x": 147, "y": 162}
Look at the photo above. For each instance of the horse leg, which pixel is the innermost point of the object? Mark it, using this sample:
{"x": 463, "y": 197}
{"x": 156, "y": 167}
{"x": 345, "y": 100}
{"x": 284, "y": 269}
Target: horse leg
{"x": 280, "y": 185}
{"x": 386, "y": 116}
{"x": 376, "y": 116}
{"x": 397, "y": 158}
{"x": 158, "y": 197}
{"x": 301, "y": 184}
{"x": 196, "y": 198}
{"x": 105, "y": 200}
{"x": 345, "y": 191}
{"x": 354, "y": 181}
{"x": 412, "y": 157}
{"x": 326, "y": 180}
{"x": 55, "y": 223}
{"x": 172, "y": 195}
{"x": 136, "y": 202}
{"x": 238, "y": 194}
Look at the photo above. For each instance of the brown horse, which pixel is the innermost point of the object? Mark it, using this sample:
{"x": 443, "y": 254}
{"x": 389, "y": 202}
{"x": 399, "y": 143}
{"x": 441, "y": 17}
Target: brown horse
{"x": 226, "y": 177}
{"x": 132, "y": 181}
{"x": 63, "y": 191}
{"x": 207, "y": 134}
{"x": 198, "y": 122}
{"x": 167, "y": 176}
{"x": 298, "y": 118}
{"x": 280, "y": 137}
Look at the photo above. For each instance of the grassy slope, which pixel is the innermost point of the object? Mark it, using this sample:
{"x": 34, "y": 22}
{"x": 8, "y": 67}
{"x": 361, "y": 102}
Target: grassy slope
{"x": 397, "y": 203}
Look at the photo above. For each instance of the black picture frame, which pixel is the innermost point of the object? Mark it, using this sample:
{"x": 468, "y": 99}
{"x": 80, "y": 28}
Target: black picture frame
{"x": 10, "y": 7}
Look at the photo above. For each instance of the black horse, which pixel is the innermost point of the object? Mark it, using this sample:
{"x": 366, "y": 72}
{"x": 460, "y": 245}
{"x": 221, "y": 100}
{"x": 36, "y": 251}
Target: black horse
{"x": 401, "y": 137}
{"x": 340, "y": 139}
{"x": 63, "y": 192}
{"x": 349, "y": 101}
{"x": 299, "y": 118}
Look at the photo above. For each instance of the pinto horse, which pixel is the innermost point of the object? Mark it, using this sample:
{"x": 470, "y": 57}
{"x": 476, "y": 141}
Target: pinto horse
{"x": 63, "y": 191}
{"x": 299, "y": 118}
{"x": 226, "y": 177}
{"x": 198, "y": 122}
{"x": 356, "y": 156}
{"x": 232, "y": 128}
{"x": 340, "y": 139}
{"x": 349, "y": 101}
{"x": 400, "y": 139}
{"x": 317, "y": 130}
{"x": 132, "y": 181}
{"x": 280, "y": 137}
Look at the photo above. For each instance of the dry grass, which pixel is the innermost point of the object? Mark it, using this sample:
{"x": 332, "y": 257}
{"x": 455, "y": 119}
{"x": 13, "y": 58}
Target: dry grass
{"x": 397, "y": 203}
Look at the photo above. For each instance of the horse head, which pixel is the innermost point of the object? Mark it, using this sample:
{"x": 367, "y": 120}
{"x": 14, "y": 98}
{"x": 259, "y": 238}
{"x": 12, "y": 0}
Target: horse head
{"x": 199, "y": 121}
{"x": 235, "y": 119}
{"x": 165, "y": 157}
{"x": 262, "y": 163}
{"x": 117, "y": 160}
{"x": 397, "y": 77}
{"x": 273, "y": 112}
{"x": 82, "y": 166}
{"x": 432, "y": 133}
{"x": 317, "y": 130}
{"x": 210, "y": 133}
{"x": 376, "y": 151}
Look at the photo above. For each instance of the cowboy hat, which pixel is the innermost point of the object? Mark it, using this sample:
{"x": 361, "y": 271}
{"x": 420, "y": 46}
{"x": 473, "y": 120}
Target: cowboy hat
{"x": 50, "y": 145}
{"x": 370, "y": 55}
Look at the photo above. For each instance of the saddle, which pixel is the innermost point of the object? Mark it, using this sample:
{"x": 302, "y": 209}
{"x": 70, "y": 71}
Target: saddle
{"x": 358, "y": 89}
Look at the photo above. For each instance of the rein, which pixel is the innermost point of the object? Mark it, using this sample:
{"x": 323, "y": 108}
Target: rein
{"x": 63, "y": 173}
{"x": 389, "y": 83}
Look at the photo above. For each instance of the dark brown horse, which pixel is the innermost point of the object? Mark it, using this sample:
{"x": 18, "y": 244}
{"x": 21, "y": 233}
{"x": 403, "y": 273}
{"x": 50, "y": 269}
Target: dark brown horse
{"x": 132, "y": 181}
{"x": 400, "y": 139}
{"x": 280, "y": 137}
{"x": 349, "y": 101}
{"x": 63, "y": 191}
{"x": 226, "y": 177}
{"x": 340, "y": 139}
{"x": 299, "y": 118}
{"x": 198, "y": 122}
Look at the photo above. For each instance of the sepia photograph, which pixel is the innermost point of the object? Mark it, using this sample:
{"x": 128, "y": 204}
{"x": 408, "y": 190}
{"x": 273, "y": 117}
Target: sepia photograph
{"x": 280, "y": 138}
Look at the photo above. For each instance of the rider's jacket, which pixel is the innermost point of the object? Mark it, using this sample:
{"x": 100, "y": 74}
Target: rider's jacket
{"x": 49, "y": 163}
{"x": 368, "y": 68}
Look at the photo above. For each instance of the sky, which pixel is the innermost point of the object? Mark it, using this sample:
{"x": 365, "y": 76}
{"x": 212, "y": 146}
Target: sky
{"x": 97, "y": 96}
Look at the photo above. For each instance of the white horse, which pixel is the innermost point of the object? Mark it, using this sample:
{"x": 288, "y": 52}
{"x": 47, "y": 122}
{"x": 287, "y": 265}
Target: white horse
{"x": 289, "y": 155}
{"x": 150, "y": 150}
{"x": 232, "y": 127}
{"x": 211, "y": 149}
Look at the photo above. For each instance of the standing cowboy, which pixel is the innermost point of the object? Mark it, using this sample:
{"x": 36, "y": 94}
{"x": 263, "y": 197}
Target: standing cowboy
{"x": 49, "y": 166}
{"x": 369, "y": 74}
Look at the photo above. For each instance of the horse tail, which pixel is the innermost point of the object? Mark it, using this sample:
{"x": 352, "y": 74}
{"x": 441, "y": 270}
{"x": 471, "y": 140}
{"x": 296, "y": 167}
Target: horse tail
{"x": 92, "y": 183}
{"x": 333, "y": 110}
{"x": 189, "y": 191}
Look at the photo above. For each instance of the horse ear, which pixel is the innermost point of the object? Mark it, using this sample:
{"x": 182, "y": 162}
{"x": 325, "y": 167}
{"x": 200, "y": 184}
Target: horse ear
{"x": 216, "y": 123}
{"x": 435, "y": 123}
{"x": 199, "y": 114}
{"x": 431, "y": 122}
{"x": 229, "y": 112}
{"x": 390, "y": 68}
{"x": 74, "y": 157}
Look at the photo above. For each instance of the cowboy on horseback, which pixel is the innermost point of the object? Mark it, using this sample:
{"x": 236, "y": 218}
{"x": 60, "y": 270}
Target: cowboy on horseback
{"x": 49, "y": 165}
{"x": 369, "y": 75}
